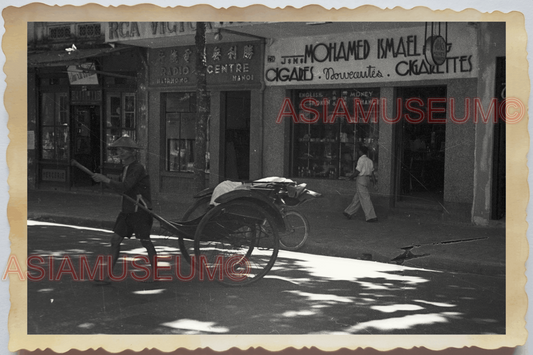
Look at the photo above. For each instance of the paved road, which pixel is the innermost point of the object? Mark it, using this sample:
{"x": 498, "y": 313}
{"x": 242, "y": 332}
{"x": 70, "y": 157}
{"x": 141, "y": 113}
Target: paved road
{"x": 303, "y": 294}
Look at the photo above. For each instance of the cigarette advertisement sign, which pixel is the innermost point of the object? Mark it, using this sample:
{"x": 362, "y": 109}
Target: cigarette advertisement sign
{"x": 402, "y": 54}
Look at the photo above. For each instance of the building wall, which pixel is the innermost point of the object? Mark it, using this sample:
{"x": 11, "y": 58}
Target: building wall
{"x": 468, "y": 164}
{"x": 460, "y": 138}
{"x": 154, "y": 140}
{"x": 216, "y": 138}
{"x": 256, "y": 135}
{"x": 386, "y": 147}
{"x": 459, "y": 157}
{"x": 488, "y": 35}
{"x": 276, "y": 135}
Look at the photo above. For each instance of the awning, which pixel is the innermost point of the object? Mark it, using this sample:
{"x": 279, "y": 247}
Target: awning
{"x": 65, "y": 58}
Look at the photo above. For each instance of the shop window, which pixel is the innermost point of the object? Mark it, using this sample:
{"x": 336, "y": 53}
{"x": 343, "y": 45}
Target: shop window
{"x": 180, "y": 120}
{"x": 325, "y": 144}
{"x": 54, "y": 126}
{"x": 120, "y": 120}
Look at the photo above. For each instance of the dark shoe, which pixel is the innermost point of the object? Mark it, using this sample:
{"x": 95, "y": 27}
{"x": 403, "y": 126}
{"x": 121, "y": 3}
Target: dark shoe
{"x": 372, "y": 220}
{"x": 347, "y": 215}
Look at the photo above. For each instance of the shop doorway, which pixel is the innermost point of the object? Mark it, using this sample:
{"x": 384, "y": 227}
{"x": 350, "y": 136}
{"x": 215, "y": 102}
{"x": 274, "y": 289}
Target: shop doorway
{"x": 85, "y": 142}
{"x": 237, "y": 135}
{"x": 499, "y": 149}
{"x": 421, "y": 147}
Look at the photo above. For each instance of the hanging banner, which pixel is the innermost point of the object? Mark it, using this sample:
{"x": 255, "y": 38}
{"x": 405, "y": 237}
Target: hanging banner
{"x": 77, "y": 76}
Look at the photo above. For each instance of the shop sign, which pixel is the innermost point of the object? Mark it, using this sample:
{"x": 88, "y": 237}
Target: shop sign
{"x": 436, "y": 50}
{"x": 370, "y": 57}
{"x": 226, "y": 63}
{"x": 56, "y": 175}
{"x": 77, "y": 76}
{"x": 130, "y": 31}
{"x": 86, "y": 96}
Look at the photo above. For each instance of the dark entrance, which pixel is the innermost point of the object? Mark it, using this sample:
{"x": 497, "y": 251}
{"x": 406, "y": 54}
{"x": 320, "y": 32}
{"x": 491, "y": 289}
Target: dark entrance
{"x": 498, "y": 170}
{"x": 421, "y": 146}
{"x": 85, "y": 142}
{"x": 237, "y": 135}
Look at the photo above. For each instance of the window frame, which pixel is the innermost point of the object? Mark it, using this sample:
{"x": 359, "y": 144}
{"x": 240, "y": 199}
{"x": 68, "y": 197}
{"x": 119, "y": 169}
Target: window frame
{"x": 60, "y": 122}
{"x": 113, "y": 117}
{"x": 330, "y": 150}
{"x": 175, "y": 157}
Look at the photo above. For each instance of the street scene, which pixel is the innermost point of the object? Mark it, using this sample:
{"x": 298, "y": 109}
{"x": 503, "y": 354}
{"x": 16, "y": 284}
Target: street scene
{"x": 302, "y": 294}
{"x": 270, "y": 178}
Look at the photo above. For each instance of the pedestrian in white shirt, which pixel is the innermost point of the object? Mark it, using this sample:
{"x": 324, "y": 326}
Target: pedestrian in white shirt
{"x": 363, "y": 172}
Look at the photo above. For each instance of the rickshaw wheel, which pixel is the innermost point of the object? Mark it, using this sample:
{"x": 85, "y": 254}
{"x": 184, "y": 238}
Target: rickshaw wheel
{"x": 296, "y": 231}
{"x": 197, "y": 210}
{"x": 236, "y": 243}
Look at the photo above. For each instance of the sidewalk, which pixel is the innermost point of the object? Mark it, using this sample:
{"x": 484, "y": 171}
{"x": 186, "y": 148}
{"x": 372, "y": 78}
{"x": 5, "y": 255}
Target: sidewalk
{"x": 426, "y": 242}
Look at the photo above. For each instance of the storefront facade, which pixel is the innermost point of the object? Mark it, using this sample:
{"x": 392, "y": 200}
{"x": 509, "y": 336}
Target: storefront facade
{"x": 414, "y": 108}
{"x": 234, "y": 142}
{"x": 80, "y": 98}
{"x": 287, "y": 100}
{"x": 234, "y": 67}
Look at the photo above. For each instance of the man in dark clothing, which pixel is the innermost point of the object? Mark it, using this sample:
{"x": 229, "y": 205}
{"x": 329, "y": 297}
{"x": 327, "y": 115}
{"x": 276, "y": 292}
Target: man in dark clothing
{"x": 134, "y": 183}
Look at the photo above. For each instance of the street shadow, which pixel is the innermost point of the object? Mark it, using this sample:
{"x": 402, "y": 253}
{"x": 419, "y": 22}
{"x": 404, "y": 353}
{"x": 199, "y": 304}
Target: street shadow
{"x": 302, "y": 294}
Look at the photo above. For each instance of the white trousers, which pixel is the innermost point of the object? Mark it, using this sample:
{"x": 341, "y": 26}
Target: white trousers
{"x": 361, "y": 198}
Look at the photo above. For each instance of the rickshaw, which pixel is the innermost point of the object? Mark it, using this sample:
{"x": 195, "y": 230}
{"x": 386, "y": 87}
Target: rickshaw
{"x": 238, "y": 239}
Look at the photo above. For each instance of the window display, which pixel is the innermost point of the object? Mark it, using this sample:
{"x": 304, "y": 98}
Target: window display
{"x": 335, "y": 122}
{"x": 180, "y": 130}
{"x": 120, "y": 120}
{"x": 54, "y": 127}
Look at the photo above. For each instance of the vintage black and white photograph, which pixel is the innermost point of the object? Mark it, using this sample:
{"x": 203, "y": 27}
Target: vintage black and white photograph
{"x": 274, "y": 178}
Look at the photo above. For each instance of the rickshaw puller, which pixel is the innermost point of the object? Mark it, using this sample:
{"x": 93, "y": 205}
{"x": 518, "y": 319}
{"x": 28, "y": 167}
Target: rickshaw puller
{"x": 132, "y": 220}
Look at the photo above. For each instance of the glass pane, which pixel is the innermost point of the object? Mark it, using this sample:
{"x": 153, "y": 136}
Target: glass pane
{"x": 48, "y": 154}
{"x": 112, "y": 135}
{"x": 129, "y": 120}
{"x": 179, "y": 102}
{"x": 47, "y": 142}
{"x": 47, "y": 113}
{"x": 63, "y": 102}
{"x": 173, "y": 125}
{"x": 110, "y": 154}
{"x": 188, "y": 126}
{"x": 187, "y": 152}
{"x": 114, "y": 112}
{"x": 129, "y": 103}
{"x": 62, "y": 143}
{"x": 63, "y": 118}
{"x": 173, "y": 155}
{"x": 180, "y": 155}
{"x": 114, "y": 121}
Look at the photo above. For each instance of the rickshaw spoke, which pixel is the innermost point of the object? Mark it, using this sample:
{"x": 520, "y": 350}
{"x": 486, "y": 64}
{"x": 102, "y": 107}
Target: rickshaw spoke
{"x": 240, "y": 238}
